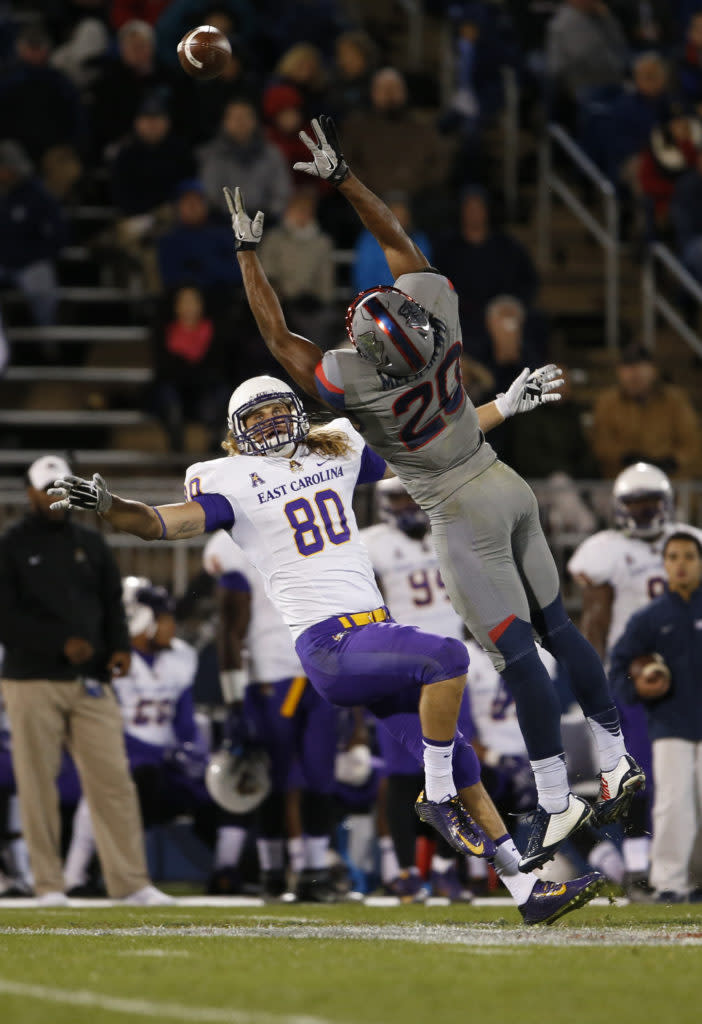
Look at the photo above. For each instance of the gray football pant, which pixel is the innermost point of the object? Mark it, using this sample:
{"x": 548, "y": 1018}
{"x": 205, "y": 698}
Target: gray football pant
{"x": 493, "y": 555}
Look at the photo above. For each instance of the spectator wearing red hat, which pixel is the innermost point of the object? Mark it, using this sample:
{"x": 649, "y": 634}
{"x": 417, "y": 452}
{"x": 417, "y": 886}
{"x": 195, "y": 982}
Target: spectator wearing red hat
{"x": 283, "y": 116}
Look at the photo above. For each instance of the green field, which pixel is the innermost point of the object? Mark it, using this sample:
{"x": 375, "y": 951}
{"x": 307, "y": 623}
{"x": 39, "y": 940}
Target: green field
{"x": 349, "y": 964}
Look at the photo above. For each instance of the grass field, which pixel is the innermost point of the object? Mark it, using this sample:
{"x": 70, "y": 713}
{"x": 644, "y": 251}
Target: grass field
{"x": 349, "y": 964}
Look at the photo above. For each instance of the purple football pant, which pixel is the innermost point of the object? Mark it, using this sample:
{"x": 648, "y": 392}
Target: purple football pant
{"x": 295, "y": 728}
{"x": 383, "y": 667}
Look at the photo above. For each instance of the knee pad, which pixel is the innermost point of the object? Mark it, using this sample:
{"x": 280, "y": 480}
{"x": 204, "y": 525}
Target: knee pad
{"x": 448, "y": 660}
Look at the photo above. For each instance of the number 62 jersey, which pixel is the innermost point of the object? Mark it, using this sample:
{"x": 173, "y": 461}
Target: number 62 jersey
{"x": 294, "y": 519}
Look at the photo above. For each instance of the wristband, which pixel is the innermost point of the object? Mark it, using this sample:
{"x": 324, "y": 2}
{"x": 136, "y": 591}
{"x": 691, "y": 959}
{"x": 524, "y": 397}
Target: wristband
{"x": 233, "y": 682}
{"x": 502, "y": 406}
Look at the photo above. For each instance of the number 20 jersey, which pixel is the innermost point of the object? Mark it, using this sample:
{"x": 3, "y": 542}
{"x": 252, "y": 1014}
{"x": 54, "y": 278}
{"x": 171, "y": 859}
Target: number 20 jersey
{"x": 294, "y": 520}
{"x": 424, "y": 426}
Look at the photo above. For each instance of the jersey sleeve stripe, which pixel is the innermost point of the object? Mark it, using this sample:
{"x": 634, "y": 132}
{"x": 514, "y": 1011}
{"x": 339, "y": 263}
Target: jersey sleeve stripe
{"x": 218, "y": 511}
{"x": 330, "y": 393}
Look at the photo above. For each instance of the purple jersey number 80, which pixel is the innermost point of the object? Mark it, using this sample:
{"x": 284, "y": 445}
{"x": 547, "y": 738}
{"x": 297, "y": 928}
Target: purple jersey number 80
{"x": 307, "y": 534}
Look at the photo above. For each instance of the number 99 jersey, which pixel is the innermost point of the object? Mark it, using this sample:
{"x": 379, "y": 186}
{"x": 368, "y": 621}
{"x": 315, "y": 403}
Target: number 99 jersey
{"x": 424, "y": 426}
{"x": 294, "y": 519}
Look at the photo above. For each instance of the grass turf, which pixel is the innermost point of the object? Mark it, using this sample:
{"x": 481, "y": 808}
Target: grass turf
{"x": 348, "y": 964}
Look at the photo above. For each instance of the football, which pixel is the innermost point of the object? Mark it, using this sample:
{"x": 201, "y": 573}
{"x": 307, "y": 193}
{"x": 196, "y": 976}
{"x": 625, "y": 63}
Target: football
{"x": 651, "y": 676}
{"x": 204, "y": 52}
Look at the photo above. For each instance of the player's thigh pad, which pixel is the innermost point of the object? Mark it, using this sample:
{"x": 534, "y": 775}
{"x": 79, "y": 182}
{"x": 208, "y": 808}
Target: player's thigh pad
{"x": 361, "y": 665}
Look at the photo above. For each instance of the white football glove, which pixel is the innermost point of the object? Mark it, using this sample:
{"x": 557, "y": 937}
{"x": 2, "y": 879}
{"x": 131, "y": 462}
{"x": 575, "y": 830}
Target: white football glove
{"x": 327, "y": 159}
{"x": 530, "y": 390}
{"x": 247, "y": 233}
{"x": 75, "y": 492}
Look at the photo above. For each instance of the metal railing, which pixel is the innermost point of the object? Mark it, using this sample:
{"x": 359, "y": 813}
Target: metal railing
{"x": 653, "y": 300}
{"x": 605, "y": 232}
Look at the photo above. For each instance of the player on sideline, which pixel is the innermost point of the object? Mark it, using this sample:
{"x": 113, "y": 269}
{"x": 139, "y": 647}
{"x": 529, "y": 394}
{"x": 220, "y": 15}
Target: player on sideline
{"x": 620, "y": 570}
{"x": 285, "y": 496}
{"x": 402, "y": 385}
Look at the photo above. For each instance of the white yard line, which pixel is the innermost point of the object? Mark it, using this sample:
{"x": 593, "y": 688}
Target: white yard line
{"x": 480, "y": 935}
{"x": 149, "y": 1008}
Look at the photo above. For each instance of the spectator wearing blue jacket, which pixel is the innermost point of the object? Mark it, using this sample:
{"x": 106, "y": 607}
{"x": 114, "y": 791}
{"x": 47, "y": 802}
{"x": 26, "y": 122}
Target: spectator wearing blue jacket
{"x": 370, "y": 268}
{"x": 32, "y": 230}
{"x": 635, "y": 113}
{"x": 197, "y": 250}
{"x": 670, "y": 688}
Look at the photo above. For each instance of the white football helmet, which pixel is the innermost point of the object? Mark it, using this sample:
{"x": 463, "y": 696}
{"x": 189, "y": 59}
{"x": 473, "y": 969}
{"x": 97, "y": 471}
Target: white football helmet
{"x": 390, "y": 330}
{"x": 239, "y": 779}
{"x": 642, "y": 498}
{"x": 277, "y": 435}
{"x": 143, "y": 603}
{"x": 395, "y": 506}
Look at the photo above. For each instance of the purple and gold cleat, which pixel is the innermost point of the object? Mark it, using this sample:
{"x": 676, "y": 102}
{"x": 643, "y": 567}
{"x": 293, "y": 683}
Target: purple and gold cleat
{"x": 447, "y": 885}
{"x": 454, "y": 823}
{"x": 409, "y": 887}
{"x": 550, "y": 900}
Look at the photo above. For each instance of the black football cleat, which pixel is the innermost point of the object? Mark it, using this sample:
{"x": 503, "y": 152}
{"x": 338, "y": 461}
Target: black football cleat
{"x": 549, "y": 830}
{"x": 617, "y": 789}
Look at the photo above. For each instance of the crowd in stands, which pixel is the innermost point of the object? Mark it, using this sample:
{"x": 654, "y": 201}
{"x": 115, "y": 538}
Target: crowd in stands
{"x": 94, "y": 107}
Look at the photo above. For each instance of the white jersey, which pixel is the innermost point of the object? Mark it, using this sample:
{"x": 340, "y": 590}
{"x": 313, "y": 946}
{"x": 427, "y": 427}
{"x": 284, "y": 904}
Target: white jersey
{"x": 294, "y": 519}
{"x": 268, "y": 643}
{"x": 632, "y": 567}
{"x": 492, "y": 706}
{"x": 148, "y": 695}
{"x": 408, "y": 571}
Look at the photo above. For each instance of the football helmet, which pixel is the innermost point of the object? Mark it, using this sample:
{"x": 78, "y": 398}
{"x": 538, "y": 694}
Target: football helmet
{"x": 277, "y": 435}
{"x": 238, "y": 778}
{"x": 390, "y": 330}
{"x": 642, "y": 497}
{"x": 143, "y": 603}
{"x": 395, "y": 506}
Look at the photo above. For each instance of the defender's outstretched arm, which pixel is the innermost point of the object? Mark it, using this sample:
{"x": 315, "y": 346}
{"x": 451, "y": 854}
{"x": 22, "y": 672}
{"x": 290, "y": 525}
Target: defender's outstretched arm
{"x": 162, "y": 522}
{"x": 328, "y": 163}
{"x": 296, "y": 354}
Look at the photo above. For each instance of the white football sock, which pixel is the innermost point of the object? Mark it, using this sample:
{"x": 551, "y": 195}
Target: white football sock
{"x": 438, "y": 771}
{"x": 552, "y": 785}
{"x": 389, "y": 865}
{"x": 610, "y": 746}
{"x": 506, "y": 864}
{"x": 271, "y": 854}
{"x": 230, "y": 843}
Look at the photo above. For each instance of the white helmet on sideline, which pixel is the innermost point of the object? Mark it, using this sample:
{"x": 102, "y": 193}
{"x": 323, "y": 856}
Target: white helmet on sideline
{"x": 643, "y": 501}
{"x": 277, "y": 435}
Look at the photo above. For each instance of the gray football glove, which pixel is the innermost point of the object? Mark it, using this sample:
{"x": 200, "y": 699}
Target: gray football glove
{"x": 75, "y": 492}
{"x": 530, "y": 390}
{"x": 327, "y": 159}
{"x": 247, "y": 233}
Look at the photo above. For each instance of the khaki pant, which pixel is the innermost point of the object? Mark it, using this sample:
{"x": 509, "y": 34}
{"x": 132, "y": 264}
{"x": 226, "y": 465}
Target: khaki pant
{"x": 677, "y": 769}
{"x": 44, "y": 717}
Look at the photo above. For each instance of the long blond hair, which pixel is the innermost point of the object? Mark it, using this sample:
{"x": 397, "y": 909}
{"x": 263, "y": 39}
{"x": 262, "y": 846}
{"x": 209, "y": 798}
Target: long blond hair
{"x": 321, "y": 440}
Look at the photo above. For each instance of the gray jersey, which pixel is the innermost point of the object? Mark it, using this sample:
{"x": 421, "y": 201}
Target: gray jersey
{"x": 424, "y": 426}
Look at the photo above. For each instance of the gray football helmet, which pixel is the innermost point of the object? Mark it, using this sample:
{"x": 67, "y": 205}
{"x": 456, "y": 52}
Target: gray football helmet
{"x": 390, "y": 330}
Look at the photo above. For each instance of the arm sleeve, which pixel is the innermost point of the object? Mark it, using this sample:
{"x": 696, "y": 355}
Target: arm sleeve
{"x": 372, "y": 467}
{"x": 219, "y": 514}
{"x": 329, "y": 381}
